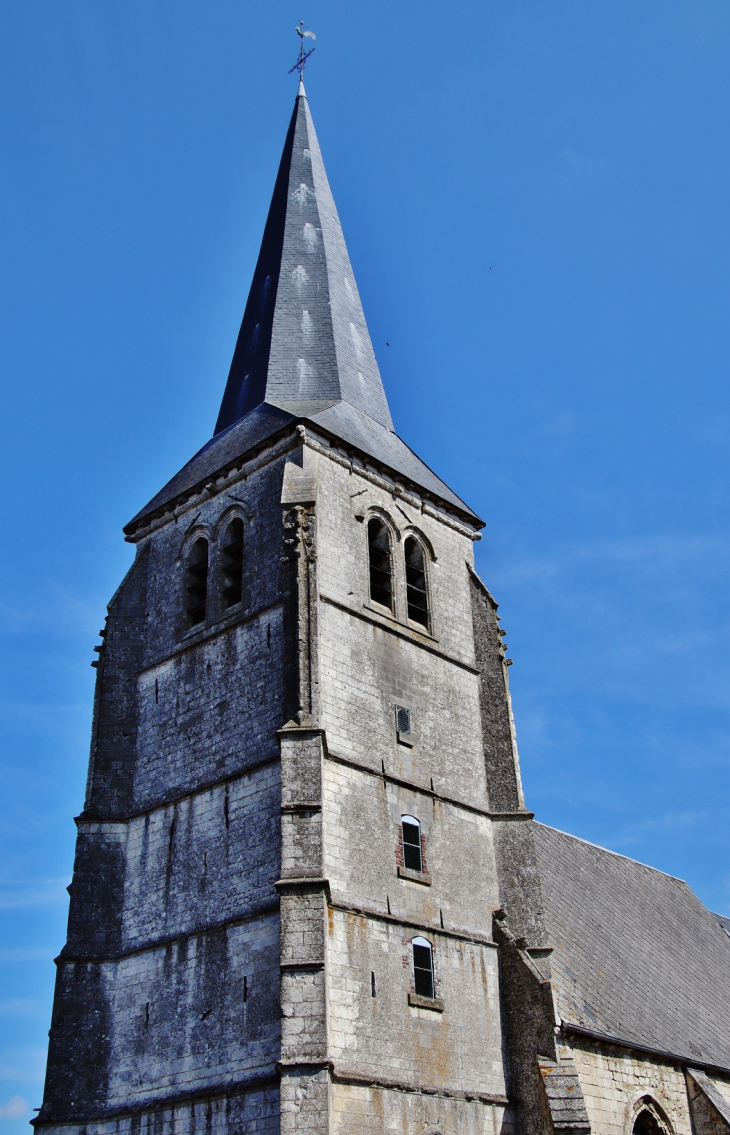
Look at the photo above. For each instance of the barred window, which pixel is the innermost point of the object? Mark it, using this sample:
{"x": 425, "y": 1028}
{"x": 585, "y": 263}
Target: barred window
{"x": 381, "y": 570}
{"x": 402, "y": 719}
{"x": 196, "y": 582}
{"x": 412, "y": 855}
{"x": 232, "y": 563}
{"x": 423, "y": 967}
{"x": 416, "y": 595}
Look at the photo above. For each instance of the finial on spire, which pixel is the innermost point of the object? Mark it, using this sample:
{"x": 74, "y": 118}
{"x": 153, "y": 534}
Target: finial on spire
{"x": 303, "y": 55}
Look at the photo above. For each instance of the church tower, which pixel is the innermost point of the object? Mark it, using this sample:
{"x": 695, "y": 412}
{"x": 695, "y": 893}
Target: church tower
{"x": 304, "y": 896}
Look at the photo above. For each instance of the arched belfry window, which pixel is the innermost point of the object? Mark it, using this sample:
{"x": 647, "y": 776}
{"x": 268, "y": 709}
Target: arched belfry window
{"x": 416, "y": 594}
{"x": 412, "y": 855}
{"x": 196, "y": 582}
{"x": 381, "y": 568}
{"x": 423, "y": 967}
{"x": 231, "y": 563}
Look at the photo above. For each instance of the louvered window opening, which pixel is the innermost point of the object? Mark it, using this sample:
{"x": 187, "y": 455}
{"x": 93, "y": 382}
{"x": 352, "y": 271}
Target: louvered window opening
{"x": 412, "y": 855}
{"x": 232, "y": 563}
{"x": 381, "y": 572}
{"x": 423, "y": 968}
{"x": 196, "y": 583}
{"x": 416, "y": 596}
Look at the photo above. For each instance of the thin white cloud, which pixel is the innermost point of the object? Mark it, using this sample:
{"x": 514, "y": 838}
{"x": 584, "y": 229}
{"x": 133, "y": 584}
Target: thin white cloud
{"x": 24, "y": 1063}
{"x": 670, "y": 821}
{"x": 19, "y": 1007}
{"x": 657, "y": 556}
{"x": 578, "y": 170}
{"x": 27, "y": 954}
{"x": 62, "y": 611}
{"x": 13, "y": 1108}
{"x": 33, "y": 892}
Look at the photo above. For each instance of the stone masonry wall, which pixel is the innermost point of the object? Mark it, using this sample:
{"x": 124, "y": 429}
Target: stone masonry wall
{"x": 251, "y": 1113}
{"x": 177, "y": 993}
{"x": 385, "y": 1038}
{"x": 362, "y": 823}
{"x": 195, "y": 1013}
{"x": 614, "y": 1079}
{"x": 370, "y": 661}
{"x": 359, "y": 1110}
{"x": 209, "y": 711}
{"x": 205, "y": 859}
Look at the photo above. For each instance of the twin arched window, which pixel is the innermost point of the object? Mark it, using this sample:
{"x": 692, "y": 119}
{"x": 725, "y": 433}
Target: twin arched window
{"x": 381, "y": 571}
{"x": 197, "y": 572}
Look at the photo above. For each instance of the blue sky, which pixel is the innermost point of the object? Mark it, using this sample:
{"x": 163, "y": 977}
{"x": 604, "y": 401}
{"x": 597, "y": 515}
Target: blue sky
{"x": 535, "y": 198}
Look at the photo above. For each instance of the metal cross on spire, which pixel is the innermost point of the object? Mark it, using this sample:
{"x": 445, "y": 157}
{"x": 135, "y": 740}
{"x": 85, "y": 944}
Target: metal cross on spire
{"x": 303, "y": 55}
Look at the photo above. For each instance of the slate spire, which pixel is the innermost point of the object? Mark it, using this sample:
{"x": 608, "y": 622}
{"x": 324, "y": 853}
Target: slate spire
{"x": 303, "y": 344}
{"x": 304, "y": 353}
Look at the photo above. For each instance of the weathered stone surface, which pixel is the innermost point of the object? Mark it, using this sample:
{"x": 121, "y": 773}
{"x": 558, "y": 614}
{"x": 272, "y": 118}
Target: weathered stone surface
{"x": 709, "y": 1107}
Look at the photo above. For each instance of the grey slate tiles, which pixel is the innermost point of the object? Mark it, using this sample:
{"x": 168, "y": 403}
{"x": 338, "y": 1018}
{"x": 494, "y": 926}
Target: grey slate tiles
{"x": 636, "y": 955}
{"x": 303, "y": 336}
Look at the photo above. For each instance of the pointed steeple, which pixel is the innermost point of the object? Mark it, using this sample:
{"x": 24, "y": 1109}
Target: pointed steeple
{"x": 303, "y": 344}
{"x": 304, "y": 352}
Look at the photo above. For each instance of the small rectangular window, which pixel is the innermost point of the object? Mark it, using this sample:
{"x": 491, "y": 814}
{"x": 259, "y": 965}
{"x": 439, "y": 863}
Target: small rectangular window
{"x": 402, "y": 719}
{"x": 412, "y": 858}
{"x": 423, "y": 969}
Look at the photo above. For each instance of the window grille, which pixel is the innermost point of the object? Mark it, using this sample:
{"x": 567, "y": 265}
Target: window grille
{"x": 416, "y": 595}
{"x": 196, "y": 582}
{"x": 423, "y": 967}
{"x": 412, "y": 854}
{"x": 381, "y": 571}
{"x": 402, "y": 719}
{"x": 232, "y": 563}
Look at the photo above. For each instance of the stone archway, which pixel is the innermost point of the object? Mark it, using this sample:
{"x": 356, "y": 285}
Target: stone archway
{"x": 649, "y": 1118}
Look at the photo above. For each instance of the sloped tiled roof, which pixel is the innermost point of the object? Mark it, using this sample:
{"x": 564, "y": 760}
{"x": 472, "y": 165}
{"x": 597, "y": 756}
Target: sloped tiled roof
{"x": 637, "y": 957}
{"x": 338, "y": 419}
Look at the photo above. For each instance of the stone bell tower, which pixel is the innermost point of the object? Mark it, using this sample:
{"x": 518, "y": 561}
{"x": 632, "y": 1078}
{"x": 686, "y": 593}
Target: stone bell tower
{"x": 303, "y": 805}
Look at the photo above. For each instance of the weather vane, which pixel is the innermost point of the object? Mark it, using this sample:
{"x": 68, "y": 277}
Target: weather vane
{"x": 303, "y": 55}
